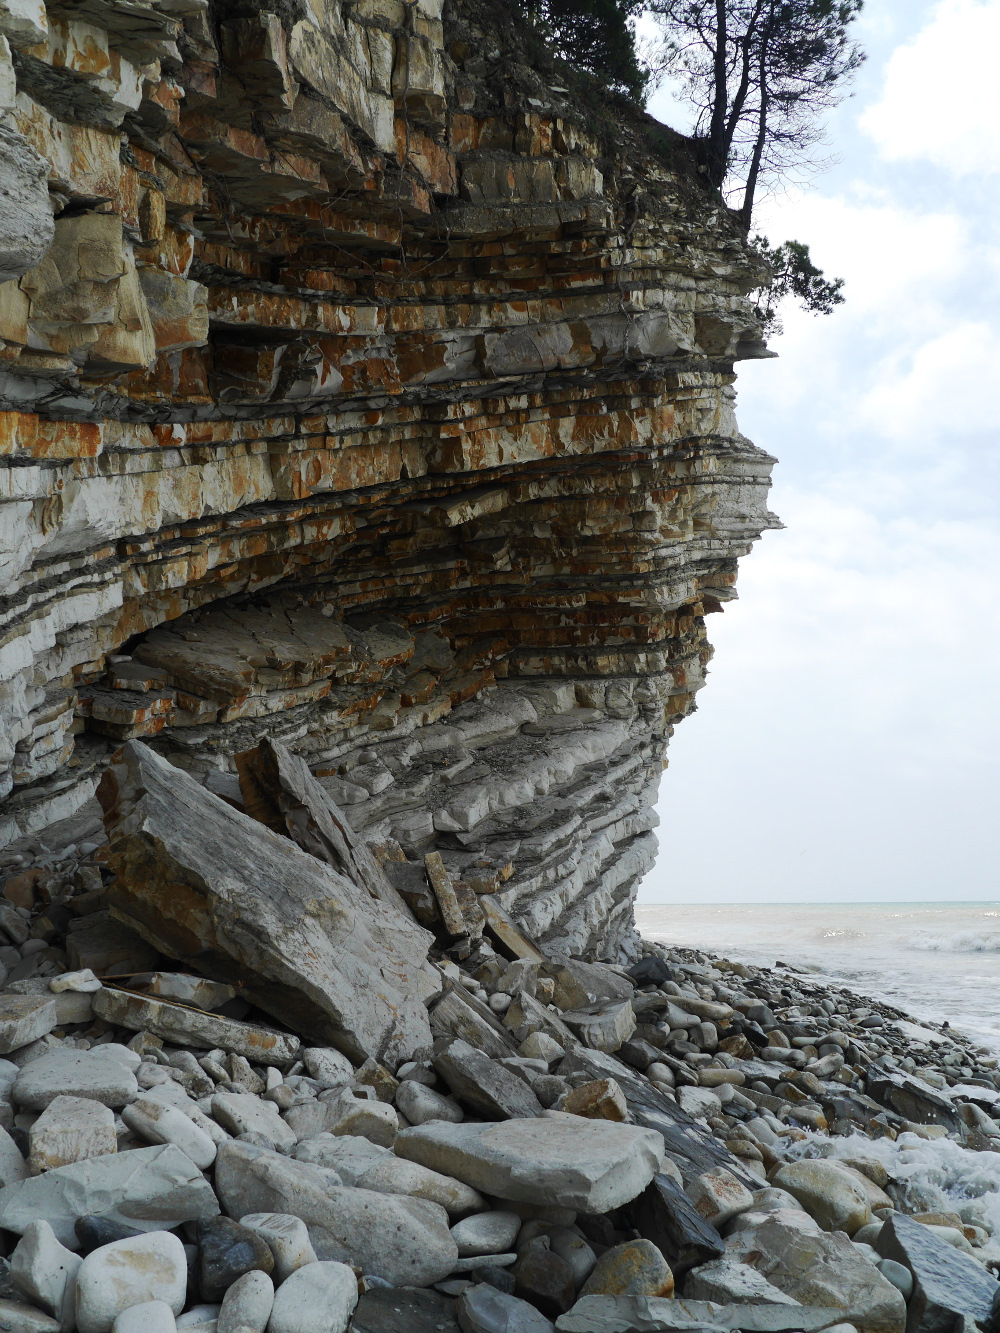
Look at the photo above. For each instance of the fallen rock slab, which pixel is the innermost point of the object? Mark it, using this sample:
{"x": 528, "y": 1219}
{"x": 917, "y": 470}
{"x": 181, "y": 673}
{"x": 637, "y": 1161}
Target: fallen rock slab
{"x": 104, "y": 1074}
{"x": 947, "y": 1284}
{"x": 200, "y": 880}
{"x": 728, "y": 1282}
{"x": 587, "y": 1165}
{"x": 192, "y": 1027}
{"x": 651, "y": 1314}
{"x": 145, "y": 1188}
{"x": 366, "y": 1165}
{"x": 70, "y": 1129}
{"x": 484, "y": 1084}
{"x": 664, "y": 1214}
{"x": 402, "y": 1239}
{"x": 25, "y": 1018}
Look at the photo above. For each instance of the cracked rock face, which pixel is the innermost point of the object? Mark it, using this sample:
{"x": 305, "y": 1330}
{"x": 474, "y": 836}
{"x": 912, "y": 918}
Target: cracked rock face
{"x": 354, "y": 394}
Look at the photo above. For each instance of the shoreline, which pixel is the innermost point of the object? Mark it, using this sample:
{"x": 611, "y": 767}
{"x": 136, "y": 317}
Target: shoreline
{"x": 574, "y": 1145}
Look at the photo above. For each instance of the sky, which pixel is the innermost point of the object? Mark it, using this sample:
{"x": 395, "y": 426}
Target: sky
{"x": 846, "y": 745}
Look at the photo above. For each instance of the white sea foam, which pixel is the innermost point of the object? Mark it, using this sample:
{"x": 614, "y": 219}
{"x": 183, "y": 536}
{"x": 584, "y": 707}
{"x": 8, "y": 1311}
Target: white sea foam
{"x": 932, "y": 1175}
{"x": 934, "y": 960}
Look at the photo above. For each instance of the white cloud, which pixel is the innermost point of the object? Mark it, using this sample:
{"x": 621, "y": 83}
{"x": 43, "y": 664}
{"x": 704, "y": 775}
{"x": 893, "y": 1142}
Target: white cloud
{"x": 943, "y": 388}
{"x": 941, "y": 100}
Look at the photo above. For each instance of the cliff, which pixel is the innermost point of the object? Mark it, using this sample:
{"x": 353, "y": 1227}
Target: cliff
{"x": 365, "y": 388}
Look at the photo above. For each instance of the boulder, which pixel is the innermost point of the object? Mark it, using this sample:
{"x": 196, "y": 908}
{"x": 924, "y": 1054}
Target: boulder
{"x": 827, "y": 1193}
{"x": 420, "y": 1104}
{"x": 483, "y": 1084}
{"x": 588, "y": 1165}
{"x": 947, "y": 1284}
{"x": 70, "y": 1129}
{"x": 227, "y": 1251}
{"x": 542, "y": 1277}
{"x": 156, "y": 1121}
{"x": 190, "y": 1027}
{"x": 25, "y": 1018}
{"x": 600, "y": 1099}
{"x": 483, "y": 1309}
{"x": 602, "y": 1027}
{"x": 318, "y": 1298}
{"x": 128, "y": 1272}
{"x": 26, "y": 1318}
{"x": 104, "y": 1074}
{"x": 579, "y": 984}
{"x": 820, "y": 1269}
{"x": 144, "y": 1188}
{"x": 316, "y": 950}
{"x": 149, "y": 1317}
{"x": 718, "y": 1196}
{"x": 44, "y": 1272}
{"x": 634, "y": 1268}
{"x": 402, "y": 1239}
{"x": 287, "y": 1238}
{"x": 486, "y": 1233}
{"x": 247, "y": 1304}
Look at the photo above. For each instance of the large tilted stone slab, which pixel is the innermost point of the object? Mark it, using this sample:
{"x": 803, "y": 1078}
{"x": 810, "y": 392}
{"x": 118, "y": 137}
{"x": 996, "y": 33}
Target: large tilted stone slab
{"x": 279, "y": 790}
{"x": 655, "y": 1314}
{"x": 588, "y": 1165}
{"x": 946, "y": 1282}
{"x": 192, "y": 1027}
{"x": 203, "y": 882}
{"x": 403, "y": 1239}
{"x": 664, "y": 1214}
{"x": 150, "y": 1189}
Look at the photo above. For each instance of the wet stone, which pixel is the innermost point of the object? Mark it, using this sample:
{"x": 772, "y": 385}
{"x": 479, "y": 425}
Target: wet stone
{"x": 226, "y": 1251}
{"x": 404, "y": 1310}
{"x": 947, "y": 1283}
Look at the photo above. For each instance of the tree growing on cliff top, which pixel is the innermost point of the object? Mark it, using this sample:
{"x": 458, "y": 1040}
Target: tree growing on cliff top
{"x": 758, "y": 74}
{"x": 596, "y": 36}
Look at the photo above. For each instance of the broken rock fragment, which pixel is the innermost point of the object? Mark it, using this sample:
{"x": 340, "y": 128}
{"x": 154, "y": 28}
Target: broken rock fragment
{"x": 484, "y": 1084}
{"x": 104, "y": 1074}
{"x": 70, "y": 1129}
{"x": 202, "y": 881}
{"x": 144, "y": 1188}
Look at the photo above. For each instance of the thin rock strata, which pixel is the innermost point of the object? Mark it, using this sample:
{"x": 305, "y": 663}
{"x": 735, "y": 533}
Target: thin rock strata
{"x": 365, "y": 388}
{"x": 258, "y": 1120}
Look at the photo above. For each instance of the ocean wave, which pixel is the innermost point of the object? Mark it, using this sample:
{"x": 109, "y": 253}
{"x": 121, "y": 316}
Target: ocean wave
{"x": 959, "y": 941}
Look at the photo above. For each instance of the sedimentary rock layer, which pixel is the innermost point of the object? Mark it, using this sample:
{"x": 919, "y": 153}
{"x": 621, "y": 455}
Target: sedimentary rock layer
{"x": 365, "y": 388}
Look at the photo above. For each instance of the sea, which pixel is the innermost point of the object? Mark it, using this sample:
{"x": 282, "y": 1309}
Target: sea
{"x": 937, "y": 961}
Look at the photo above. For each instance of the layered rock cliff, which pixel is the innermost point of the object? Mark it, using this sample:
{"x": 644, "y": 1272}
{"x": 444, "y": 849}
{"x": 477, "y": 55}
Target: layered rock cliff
{"x": 367, "y": 388}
